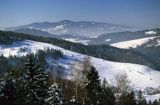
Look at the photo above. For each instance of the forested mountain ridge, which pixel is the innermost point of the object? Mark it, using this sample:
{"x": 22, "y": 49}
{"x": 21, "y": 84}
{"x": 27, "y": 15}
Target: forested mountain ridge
{"x": 34, "y": 86}
{"x": 86, "y": 32}
{"x": 75, "y": 28}
{"x": 111, "y": 38}
{"x": 60, "y": 60}
{"x": 100, "y": 51}
{"x": 61, "y": 64}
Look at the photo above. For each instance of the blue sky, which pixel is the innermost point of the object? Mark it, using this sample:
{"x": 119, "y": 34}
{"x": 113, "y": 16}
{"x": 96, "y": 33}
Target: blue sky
{"x": 141, "y": 13}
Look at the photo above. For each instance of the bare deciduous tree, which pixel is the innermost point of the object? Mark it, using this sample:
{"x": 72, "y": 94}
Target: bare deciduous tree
{"x": 122, "y": 83}
{"x": 76, "y": 75}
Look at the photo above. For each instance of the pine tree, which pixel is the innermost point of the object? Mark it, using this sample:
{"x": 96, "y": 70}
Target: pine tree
{"x": 150, "y": 102}
{"x": 17, "y": 77}
{"x": 131, "y": 99}
{"x": 108, "y": 97}
{"x": 35, "y": 83}
{"x": 7, "y": 90}
{"x": 155, "y": 102}
{"x": 140, "y": 99}
{"x": 93, "y": 88}
{"x": 55, "y": 95}
{"x": 127, "y": 99}
{"x": 42, "y": 77}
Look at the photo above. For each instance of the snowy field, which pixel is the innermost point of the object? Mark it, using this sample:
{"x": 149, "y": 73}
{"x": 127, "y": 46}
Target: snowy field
{"x": 85, "y": 42}
{"x": 151, "y": 32}
{"x": 132, "y": 43}
{"x": 139, "y": 75}
{"x": 152, "y": 97}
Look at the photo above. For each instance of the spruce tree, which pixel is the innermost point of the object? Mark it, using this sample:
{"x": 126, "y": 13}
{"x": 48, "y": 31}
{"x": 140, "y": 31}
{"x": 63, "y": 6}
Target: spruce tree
{"x": 10, "y": 89}
{"x": 55, "y": 95}
{"x": 155, "y": 102}
{"x": 93, "y": 88}
{"x": 140, "y": 99}
{"x": 131, "y": 99}
{"x": 7, "y": 90}
{"x": 35, "y": 83}
{"x": 127, "y": 99}
{"x": 150, "y": 102}
{"x": 108, "y": 97}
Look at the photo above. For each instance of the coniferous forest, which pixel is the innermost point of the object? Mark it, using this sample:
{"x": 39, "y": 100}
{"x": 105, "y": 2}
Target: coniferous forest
{"x": 100, "y": 51}
{"x": 79, "y": 52}
{"x": 28, "y": 80}
{"x": 33, "y": 85}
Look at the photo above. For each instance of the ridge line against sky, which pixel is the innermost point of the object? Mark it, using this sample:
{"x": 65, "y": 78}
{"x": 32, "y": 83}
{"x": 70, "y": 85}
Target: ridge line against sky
{"x": 140, "y": 13}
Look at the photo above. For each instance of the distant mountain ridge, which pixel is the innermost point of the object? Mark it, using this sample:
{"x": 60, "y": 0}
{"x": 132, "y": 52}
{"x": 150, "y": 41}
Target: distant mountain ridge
{"x": 90, "y": 32}
{"x": 111, "y": 38}
{"x": 99, "y": 51}
{"x": 79, "y": 28}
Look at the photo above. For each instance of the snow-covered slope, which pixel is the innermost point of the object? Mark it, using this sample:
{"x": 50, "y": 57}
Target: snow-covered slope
{"x": 76, "y": 40}
{"x": 140, "y": 76}
{"x": 132, "y": 43}
{"x": 152, "y": 97}
{"x": 151, "y": 32}
{"x": 119, "y": 37}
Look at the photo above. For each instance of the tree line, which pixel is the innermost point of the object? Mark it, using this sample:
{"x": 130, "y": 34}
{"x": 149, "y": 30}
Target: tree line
{"x": 100, "y": 51}
{"x": 18, "y": 63}
{"x": 35, "y": 86}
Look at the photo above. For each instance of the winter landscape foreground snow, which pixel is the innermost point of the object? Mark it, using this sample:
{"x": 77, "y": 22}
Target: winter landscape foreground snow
{"x": 139, "y": 75}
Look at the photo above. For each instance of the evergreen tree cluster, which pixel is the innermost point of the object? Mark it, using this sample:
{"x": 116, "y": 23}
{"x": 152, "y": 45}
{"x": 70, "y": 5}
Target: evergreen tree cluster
{"x": 34, "y": 86}
{"x": 14, "y": 62}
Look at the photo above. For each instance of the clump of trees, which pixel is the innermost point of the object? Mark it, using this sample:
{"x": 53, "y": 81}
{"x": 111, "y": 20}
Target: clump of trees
{"x": 18, "y": 63}
{"x": 35, "y": 86}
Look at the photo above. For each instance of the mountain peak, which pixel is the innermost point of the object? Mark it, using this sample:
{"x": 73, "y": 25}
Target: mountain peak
{"x": 65, "y": 21}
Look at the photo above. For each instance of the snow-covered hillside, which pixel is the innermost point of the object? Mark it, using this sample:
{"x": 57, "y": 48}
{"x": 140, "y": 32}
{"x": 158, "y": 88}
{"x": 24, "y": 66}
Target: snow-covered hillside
{"x": 85, "y": 42}
{"x": 150, "y": 32}
{"x": 132, "y": 43}
{"x": 152, "y": 97}
{"x": 140, "y": 76}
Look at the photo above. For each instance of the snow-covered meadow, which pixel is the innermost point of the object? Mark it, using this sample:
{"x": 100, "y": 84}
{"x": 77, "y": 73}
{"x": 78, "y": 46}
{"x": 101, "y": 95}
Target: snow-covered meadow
{"x": 139, "y": 75}
{"x": 132, "y": 43}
